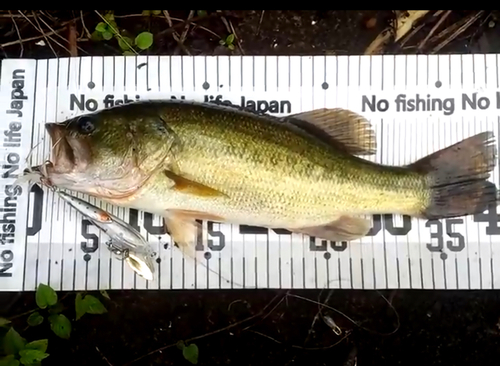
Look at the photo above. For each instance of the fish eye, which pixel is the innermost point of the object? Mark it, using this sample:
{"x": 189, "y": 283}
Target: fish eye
{"x": 86, "y": 125}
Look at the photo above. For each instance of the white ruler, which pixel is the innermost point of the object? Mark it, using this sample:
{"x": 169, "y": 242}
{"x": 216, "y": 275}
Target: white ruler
{"x": 418, "y": 104}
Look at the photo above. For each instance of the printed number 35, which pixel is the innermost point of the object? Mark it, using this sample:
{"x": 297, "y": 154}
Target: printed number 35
{"x": 452, "y": 245}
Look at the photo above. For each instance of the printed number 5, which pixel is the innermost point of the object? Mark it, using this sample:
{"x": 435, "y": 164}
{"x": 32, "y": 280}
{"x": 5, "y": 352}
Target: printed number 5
{"x": 450, "y": 244}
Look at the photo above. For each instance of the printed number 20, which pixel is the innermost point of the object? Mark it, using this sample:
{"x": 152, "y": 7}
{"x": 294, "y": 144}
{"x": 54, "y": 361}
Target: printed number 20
{"x": 450, "y": 244}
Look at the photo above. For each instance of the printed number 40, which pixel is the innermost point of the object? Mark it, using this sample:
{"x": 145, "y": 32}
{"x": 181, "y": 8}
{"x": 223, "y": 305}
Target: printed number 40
{"x": 452, "y": 245}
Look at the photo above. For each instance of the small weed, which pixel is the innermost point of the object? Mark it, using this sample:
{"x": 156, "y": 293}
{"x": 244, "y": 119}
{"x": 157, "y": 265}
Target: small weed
{"x": 148, "y": 13}
{"x": 17, "y": 351}
{"x": 108, "y": 29}
{"x": 190, "y": 352}
{"x": 228, "y": 42}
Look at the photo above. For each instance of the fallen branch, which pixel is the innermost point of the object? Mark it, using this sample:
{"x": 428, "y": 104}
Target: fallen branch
{"x": 467, "y": 23}
{"x": 402, "y": 25}
{"x": 433, "y": 30}
{"x": 35, "y": 38}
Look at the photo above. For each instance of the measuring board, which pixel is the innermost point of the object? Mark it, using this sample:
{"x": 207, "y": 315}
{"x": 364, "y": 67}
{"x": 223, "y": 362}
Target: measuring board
{"x": 417, "y": 105}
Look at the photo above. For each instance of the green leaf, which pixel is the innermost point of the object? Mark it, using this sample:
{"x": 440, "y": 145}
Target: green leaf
{"x": 156, "y": 12}
{"x": 45, "y": 296}
{"x": 9, "y": 360}
{"x": 110, "y": 16}
{"x": 122, "y": 42}
{"x": 222, "y": 42}
{"x": 13, "y": 342}
{"x": 89, "y": 304}
{"x": 101, "y": 27}
{"x": 96, "y": 36}
{"x": 60, "y": 325}
{"x": 30, "y": 356}
{"x": 180, "y": 345}
{"x": 80, "y": 307}
{"x": 201, "y": 13}
{"x": 144, "y": 40}
{"x": 105, "y": 294}
{"x": 39, "y": 345}
{"x": 230, "y": 46}
{"x": 146, "y": 13}
{"x": 128, "y": 53}
{"x": 94, "y": 305}
{"x": 113, "y": 27}
{"x": 35, "y": 319}
{"x": 56, "y": 309}
{"x": 190, "y": 353}
{"x": 230, "y": 39}
{"x": 107, "y": 35}
{"x": 4, "y": 322}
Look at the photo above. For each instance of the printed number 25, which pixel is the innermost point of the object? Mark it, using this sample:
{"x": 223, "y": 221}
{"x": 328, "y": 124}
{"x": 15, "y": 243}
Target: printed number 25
{"x": 450, "y": 244}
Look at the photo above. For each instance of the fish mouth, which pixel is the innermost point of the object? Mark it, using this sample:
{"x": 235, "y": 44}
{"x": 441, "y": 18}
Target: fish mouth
{"x": 62, "y": 154}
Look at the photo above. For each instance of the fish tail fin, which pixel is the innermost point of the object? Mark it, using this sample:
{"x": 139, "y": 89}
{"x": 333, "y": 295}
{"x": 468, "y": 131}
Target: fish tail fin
{"x": 457, "y": 177}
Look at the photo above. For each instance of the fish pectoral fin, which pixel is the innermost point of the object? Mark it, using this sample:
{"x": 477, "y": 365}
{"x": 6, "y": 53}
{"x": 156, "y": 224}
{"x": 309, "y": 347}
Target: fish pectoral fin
{"x": 346, "y": 129}
{"x": 345, "y": 228}
{"x": 188, "y": 186}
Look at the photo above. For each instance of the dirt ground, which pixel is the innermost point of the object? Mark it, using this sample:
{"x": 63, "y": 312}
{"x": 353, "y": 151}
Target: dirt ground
{"x": 435, "y": 327}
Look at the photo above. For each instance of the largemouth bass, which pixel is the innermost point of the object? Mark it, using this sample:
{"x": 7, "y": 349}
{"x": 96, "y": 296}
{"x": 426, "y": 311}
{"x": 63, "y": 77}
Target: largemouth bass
{"x": 304, "y": 172}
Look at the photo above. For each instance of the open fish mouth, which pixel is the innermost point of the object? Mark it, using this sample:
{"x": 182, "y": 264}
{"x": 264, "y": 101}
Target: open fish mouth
{"x": 62, "y": 155}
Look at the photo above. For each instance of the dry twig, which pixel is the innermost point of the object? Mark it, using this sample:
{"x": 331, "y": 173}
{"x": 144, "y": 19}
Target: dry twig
{"x": 260, "y": 22}
{"x": 433, "y": 30}
{"x": 103, "y": 357}
{"x": 210, "y": 333}
{"x": 73, "y": 47}
{"x": 467, "y": 22}
{"x": 18, "y": 34}
{"x": 41, "y": 31}
{"x": 89, "y": 35}
{"x": 65, "y": 39}
{"x": 175, "y": 34}
{"x": 20, "y": 41}
{"x": 411, "y": 34}
{"x": 347, "y": 334}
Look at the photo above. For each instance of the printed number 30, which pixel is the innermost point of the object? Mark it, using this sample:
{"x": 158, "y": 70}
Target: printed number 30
{"x": 450, "y": 244}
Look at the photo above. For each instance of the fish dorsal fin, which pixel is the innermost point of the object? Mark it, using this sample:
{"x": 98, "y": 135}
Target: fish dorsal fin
{"x": 343, "y": 128}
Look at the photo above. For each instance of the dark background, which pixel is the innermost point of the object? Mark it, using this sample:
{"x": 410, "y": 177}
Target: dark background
{"x": 435, "y": 327}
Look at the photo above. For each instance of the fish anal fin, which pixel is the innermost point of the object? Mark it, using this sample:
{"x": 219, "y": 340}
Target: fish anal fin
{"x": 345, "y": 129}
{"x": 345, "y": 228}
{"x": 188, "y": 186}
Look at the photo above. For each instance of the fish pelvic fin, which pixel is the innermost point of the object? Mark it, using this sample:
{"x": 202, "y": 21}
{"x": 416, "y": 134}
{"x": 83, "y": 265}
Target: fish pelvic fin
{"x": 458, "y": 176}
{"x": 183, "y": 228}
{"x": 184, "y": 234}
{"x": 345, "y": 228}
{"x": 343, "y": 128}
